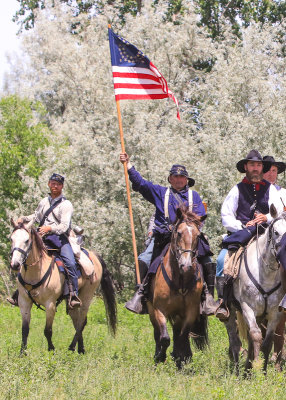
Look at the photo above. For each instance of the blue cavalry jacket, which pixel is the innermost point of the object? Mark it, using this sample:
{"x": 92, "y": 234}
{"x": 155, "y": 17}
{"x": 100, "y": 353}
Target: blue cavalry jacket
{"x": 155, "y": 194}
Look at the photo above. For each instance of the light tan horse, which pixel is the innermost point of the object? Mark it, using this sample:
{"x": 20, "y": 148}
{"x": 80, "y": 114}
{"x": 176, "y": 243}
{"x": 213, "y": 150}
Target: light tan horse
{"x": 42, "y": 283}
{"x": 176, "y": 293}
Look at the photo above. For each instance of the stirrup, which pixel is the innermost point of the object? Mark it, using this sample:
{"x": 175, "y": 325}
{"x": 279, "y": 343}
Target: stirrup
{"x": 74, "y": 301}
{"x": 12, "y": 301}
{"x": 222, "y": 312}
{"x": 209, "y": 305}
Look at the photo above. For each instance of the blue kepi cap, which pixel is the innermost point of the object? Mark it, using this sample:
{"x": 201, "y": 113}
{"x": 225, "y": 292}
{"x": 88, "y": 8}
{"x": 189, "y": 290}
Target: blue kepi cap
{"x": 57, "y": 177}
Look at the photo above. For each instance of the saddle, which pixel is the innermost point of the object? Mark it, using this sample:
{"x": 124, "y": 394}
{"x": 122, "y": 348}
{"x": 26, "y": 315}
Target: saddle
{"x": 232, "y": 261}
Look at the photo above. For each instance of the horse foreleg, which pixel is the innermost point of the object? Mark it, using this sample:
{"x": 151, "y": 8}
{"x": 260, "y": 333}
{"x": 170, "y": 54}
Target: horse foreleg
{"x": 278, "y": 340}
{"x": 255, "y": 335}
{"x": 182, "y": 349}
{"x": 233, "y": 337}
{"x": 164, "y": 339}
{"x": 25, "y": 307}
{"x": 266, "y": 346}
{"x": 48, "y": 331}
{"x": 156, "y": 330}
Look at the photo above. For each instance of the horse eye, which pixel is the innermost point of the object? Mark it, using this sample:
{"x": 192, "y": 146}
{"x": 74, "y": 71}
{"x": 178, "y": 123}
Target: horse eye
{"x": 276, "y": 233}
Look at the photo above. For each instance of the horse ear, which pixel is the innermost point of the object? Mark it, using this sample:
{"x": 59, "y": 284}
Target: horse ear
{"x": 203, "y": 217}
{"x": 13, "y": 223}
{"x": 28, "y": 226}
{"x": 273, "y": 211}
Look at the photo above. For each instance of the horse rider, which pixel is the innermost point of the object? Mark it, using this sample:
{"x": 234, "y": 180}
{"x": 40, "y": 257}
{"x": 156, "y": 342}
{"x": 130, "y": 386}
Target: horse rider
{"x": 245, "y": 207}
{"x": 166, "y": 201}
{"x": 54, "y": 214}
{"x": 277, "y": 167}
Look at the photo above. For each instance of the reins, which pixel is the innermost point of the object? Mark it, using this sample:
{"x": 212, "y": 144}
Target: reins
{"x": 264, "y": 293}
{"x": 180, "y": 288}
{"x": 31, "y": 286}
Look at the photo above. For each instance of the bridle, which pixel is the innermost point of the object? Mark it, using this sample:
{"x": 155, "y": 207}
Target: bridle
{"x": 25, "y": 253}
{"x": 179, "y": 251}
{"x": 270, "y": 242}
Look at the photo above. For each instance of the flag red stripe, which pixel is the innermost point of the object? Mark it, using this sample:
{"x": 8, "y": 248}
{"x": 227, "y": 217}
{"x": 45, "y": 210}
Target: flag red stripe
{"x": 135, "y": 86}
{"x": 140, "y": 96}
{"x": 136, "y": 76}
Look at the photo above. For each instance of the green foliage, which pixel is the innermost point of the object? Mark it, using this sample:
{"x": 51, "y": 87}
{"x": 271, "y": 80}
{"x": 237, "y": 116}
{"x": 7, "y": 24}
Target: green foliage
{"x": 120, "y": 368}
{"x": 23, "y": 135}
{"x": 217, "y": 14}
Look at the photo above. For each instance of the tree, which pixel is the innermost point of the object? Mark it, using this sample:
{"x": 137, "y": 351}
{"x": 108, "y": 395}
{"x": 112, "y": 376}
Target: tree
{"x": 23, "y": 136}
{"x": 216, "y": 14}
{"x": 235, "y": 103}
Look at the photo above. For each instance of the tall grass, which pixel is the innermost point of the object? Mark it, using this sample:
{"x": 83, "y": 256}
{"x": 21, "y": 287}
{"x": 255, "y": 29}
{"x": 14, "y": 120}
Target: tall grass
{"x": 120, "y": 368}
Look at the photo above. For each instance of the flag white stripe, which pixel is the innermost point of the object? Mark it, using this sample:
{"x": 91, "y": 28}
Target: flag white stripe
{"x": 138, "y": 91}
{"x": 136, "y": 81}
{"x": 132, "y": 70}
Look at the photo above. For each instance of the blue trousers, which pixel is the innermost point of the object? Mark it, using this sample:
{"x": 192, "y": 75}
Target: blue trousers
{"x": 220, "y": 262}
{"x": 146, "y": 256}
{"x": 62, "y": 244}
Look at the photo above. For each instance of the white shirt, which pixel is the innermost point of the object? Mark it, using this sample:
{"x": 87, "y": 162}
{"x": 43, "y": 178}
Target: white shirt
{"x": 230, "y": 204}
{"x": 59, "y": 219}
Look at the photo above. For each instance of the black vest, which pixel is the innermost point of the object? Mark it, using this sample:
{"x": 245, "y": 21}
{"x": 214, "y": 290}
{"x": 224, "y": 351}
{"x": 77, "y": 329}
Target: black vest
{"x": 251, "y": 200}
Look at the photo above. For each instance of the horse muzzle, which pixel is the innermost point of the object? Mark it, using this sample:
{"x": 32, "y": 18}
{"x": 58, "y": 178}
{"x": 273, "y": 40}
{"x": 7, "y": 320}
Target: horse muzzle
{"x": 15, "y": 266}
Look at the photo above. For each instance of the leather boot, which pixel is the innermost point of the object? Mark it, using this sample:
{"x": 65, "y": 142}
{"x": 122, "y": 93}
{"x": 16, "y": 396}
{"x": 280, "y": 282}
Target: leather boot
{"x": 222, "y": 312}
{"x": 209, "y": 305}
{"x": 73, "y": 299}
{"x": 282, "y": 305}
{"x": 138, "y": 302}
{"x": 14, "y": 299}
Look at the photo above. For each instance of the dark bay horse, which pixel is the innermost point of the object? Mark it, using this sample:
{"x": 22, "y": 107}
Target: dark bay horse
{"x": 176, "y": 293}
{"x": 40, "y": 281}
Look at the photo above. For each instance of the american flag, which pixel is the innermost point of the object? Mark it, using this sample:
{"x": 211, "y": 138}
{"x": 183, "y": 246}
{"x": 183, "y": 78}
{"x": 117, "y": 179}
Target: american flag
{"x": 135, "y": 76}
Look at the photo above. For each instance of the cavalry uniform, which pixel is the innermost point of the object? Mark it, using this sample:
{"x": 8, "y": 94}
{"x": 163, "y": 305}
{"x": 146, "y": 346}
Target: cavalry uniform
{"x": 242, "y": 204}
{"x": 59, "y": 219}
{"x": 167, "y": 200}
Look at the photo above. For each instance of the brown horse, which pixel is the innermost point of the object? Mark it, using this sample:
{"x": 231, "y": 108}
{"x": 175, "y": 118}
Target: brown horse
{"x": 40, "y": 282}
{"x": 175, "y": 293}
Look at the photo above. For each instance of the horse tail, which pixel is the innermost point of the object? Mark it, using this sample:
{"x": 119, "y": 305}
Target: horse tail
{"x": 109, "y": 297}
{"x": 242, "y": 327}
{"x": 199, "y": 332}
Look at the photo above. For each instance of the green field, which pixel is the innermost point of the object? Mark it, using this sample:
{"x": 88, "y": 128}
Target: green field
{"x": 120, "y": 368}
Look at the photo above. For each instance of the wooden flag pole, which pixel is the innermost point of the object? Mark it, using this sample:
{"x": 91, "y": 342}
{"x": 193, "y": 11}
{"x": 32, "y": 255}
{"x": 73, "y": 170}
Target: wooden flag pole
{"x": 128, "y": 196}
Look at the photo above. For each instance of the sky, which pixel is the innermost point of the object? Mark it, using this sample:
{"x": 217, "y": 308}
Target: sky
{"x": 9, "y": 43}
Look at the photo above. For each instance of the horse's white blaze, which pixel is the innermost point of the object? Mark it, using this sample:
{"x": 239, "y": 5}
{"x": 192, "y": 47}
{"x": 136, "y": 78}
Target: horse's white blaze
{"x": 20, "y": 239}
{"x": 186, "y": 258}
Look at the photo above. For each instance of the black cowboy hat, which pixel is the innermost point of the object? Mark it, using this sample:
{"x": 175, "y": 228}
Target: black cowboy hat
{"x": 253, "y": 155}
{"x": 281, "y": 166}
{"x": 181, "y": 170}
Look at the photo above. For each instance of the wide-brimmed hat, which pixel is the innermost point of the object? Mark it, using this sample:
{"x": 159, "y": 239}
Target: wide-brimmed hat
{"x": 281, "y": 166}
{"x": 253, "y": 155}
{"x": 181, "y": 170}
{"x": 57, "y": 177}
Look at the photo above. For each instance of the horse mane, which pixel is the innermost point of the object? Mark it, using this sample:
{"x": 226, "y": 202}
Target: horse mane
{"x": 188, "y": 216}
{"x": 35, "y": 235}
{"x": 38, "y": 241}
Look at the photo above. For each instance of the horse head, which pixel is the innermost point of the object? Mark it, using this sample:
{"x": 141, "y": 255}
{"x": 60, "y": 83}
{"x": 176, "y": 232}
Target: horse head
{"x": 185, "y": 237}
{"x": 22, "y": 241}
{"x": 277, "y": 231}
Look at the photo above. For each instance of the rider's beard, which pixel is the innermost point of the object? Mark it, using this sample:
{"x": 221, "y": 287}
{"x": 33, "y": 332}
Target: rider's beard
{"x": 254, "y": 176}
